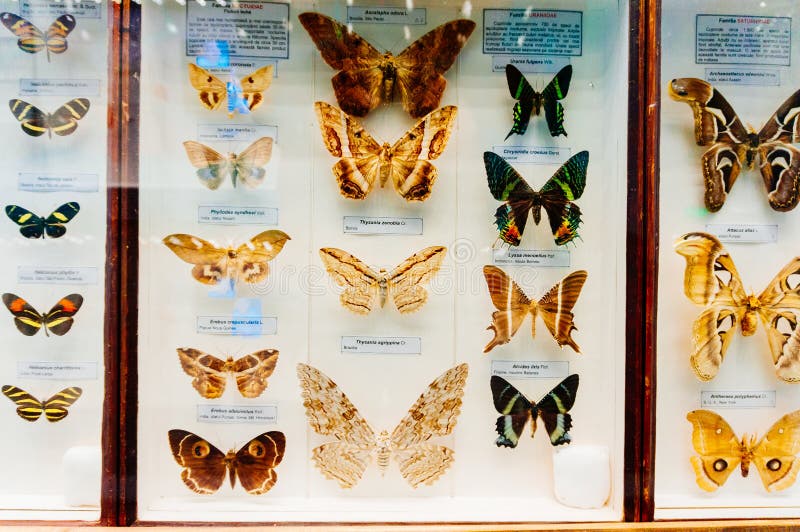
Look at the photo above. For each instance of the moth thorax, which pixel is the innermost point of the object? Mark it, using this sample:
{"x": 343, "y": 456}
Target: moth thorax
{"x": 752, "y": 149}
{"x": 536, "y": 211}
{"x": 230, "y": 463}
{"x": 747, "y": 453}
{"x": 749, "y": 319}
{"x": 389, "y": 76}
{"x": 383, "y": 288}
{"x": 537, "y": 104}
{"x": 384, "y": 451}
{"x": 231, "y": 253}
{"x": 385, "y": 159}
{"x": 228, "y": 367}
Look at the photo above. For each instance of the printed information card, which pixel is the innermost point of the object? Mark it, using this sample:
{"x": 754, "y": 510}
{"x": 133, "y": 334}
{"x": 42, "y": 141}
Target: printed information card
{"x": 68, "y": 182}
{"x": 381, "y": 345}
{"x": 533, "y": 154}
{"x": 253, "y": 28}
{"x": 536, "y": 64}
{"x": 750, "y": 233}
{"x": 743, "y": 76}
{"x": 743, "y": 40}
{"x": 50, "y": 370}
{"x": 756, "y": 399}
{"x": 73, "y": 88}
{"x": 266, "y": 414}
{"x": 387, "y": 15}
{"x": 532, "y": 32}
{"x": 530, "y": 369}
{"x": 236, "y": 215}
{"x": 368, "y": 225}
{"x": 57, "y": 274}
{"x": 50, "y": 9}
{"x": 235, "y": 132}
{"x": 553, "y": 258}
{"x": 239, "y": 325}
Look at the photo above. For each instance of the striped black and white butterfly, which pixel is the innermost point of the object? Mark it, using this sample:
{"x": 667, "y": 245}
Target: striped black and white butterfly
{"x": 516, "y": 410}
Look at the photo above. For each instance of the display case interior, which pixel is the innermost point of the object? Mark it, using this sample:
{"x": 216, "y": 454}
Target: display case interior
{"x": 341, "y": 262}
{"x": 726, "y": 378}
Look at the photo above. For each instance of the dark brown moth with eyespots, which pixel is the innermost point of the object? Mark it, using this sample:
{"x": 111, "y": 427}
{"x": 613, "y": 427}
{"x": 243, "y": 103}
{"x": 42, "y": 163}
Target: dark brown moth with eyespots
{"x": 734, "y": 146}
{"x": 364, "y": 161}
{"x": 367, "y": 77}
{"x": 205, "y": 466}
{"x": 210, "y": 373}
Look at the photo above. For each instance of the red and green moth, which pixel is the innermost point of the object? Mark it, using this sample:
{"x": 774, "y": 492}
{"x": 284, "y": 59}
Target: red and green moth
{"x": 530, "y": 102}
{"x": 516, "y": 410}
{"x": 556, "y": 196}
{"x": 34, "y": 226}
{"x": 28, "y": 320}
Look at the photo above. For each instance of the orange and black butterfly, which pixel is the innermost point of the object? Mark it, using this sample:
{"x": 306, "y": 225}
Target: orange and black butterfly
{"x": 205, "y": 467}
{"x": 30, "y": 408}
{"x": 33, "y": 40}
{"x": 58, "y": 321}
{"x": 63, "y": 121}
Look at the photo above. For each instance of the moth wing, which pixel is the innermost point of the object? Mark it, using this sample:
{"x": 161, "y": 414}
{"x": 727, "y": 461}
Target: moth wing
{"x": 721, "y": 166}
{"x": 64, "y": 120}
{"x": 554, "y": 410}
{"x": 252, "y": 257}
{"x": 358, "y": 85}
{"x": 780, "y": 313}
{"x": 210, "y": 89}
{"x": 718, "y": 448}
{"x": 203, "y": 464}
{"x": 28, "y": 407}
{"x": 249, "y": 163}
{"x": 254, "y": 85}
{"x": 210, "y": 260}
{"x": 342, "y": 461}
{"x": 59, "y": 319}
{"x": 511, "y": 303}
{"x": 506, "y": 184}
{"x": 424, "y": 463}
{"x": 252, "y": 371}
{"x": 56, "y": 38}
{"x": 26, "y": 318}
{"x": 714, "y": 118}
{"x": 33, "y": 120}
{"x": 783, "y": 125}
{"x": 330, "y": 412}
{"x": 435, "y": 412}
{"x": 710, "y": 276}
{"x": 54, "y": 223}
{"x": 31, "y": 38}
{"x": 558, "y": 193}
{"x": 775, "y": 456}
{"x": 554, "y": 91}
{"x": 256, "y": 462}
{"x": 30, "y": 224}
{"x": 515, "y": 408}
{"x": 712, "y": 333}
{"x": 55, "y": 408}
{"x": 526, "y": 97}
{"x": 212, "y": 166}
{"x": 420, "y": 67}
{"x": 207, "y": 371}
{"x": 359, "y": 280}
{"x": 780, "y": 170}
{"x": 556, "y": 306}
{"x": 407, "y": 279}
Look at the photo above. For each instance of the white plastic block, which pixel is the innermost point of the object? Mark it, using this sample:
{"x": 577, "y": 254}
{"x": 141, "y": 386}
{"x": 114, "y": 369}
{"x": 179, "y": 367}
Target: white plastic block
{"x": 82, "y": 465}
{"x": 582, "y": 475}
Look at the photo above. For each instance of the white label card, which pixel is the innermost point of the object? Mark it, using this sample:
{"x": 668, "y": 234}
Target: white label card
{"x": 46, "y": 182}
{"x": 754, "y": 399}
{"x": 59, "y": 87}
{"x": 57, "y": 274}
{"x": 50, "y": 370}
{"x": 214, "y": 413}
{"x": 382, "y": 345}
{"x": 533, "y": 64}
{"x": 387, "y": 15}
{"x": 530, "y": 369}
{"x": 552, "y": 258}
{"x": 55, "y": 8}
{"x": 743, "y": 76}
{"x": 367, "y": 225}
{"x": 532, "y": 32}
{"x": 750, "y": 233}
{"x": 743, "y": 40}
{"x": 253, "y": 28}
{"x": 235, "y": 132}
{"x": 236, "y": 215}
{"x": 237, "y": 326}
{"x": 533, "y": 154}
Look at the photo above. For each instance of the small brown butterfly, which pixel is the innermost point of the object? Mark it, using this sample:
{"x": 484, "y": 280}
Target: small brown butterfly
{"x": 513, "y": 306}
{"x": 205, "y": 466}
{"x": 364, "y": 286}
{"x": 250, "y": 371}
{"x": 368, "y": 76}
{"x": 246, "y": 167}
{"x": 242, "y": 95}
{"x": 247, "y": 263}
{"x": 364, "y": 161}
{"x": 720, "y": 451}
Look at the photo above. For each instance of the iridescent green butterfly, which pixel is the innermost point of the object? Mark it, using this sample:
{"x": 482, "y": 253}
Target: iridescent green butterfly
{"x": 556, "y": 196}
{"x": 33, "y": 226}
{"x": 530, "y": 102}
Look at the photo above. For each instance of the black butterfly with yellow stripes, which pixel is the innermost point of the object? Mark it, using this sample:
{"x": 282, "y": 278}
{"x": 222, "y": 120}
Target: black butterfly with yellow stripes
{"x": 63, "y": 121}
{"x": 553, "y": 408}
{"x": 33, "y": 40}
{"x": 34, "y": 226}
{"x": 54, "y": 409}
{"x": 58, "y": 321}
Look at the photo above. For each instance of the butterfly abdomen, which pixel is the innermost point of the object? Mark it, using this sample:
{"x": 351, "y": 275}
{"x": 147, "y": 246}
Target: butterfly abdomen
{"x": 389, "y": 77}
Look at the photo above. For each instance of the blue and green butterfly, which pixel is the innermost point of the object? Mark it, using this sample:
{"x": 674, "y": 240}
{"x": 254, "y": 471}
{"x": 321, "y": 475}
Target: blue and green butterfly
{"x": 530, "y": 102}
{"x": 34, "y": 226}
{"x": 556, "y": 196}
